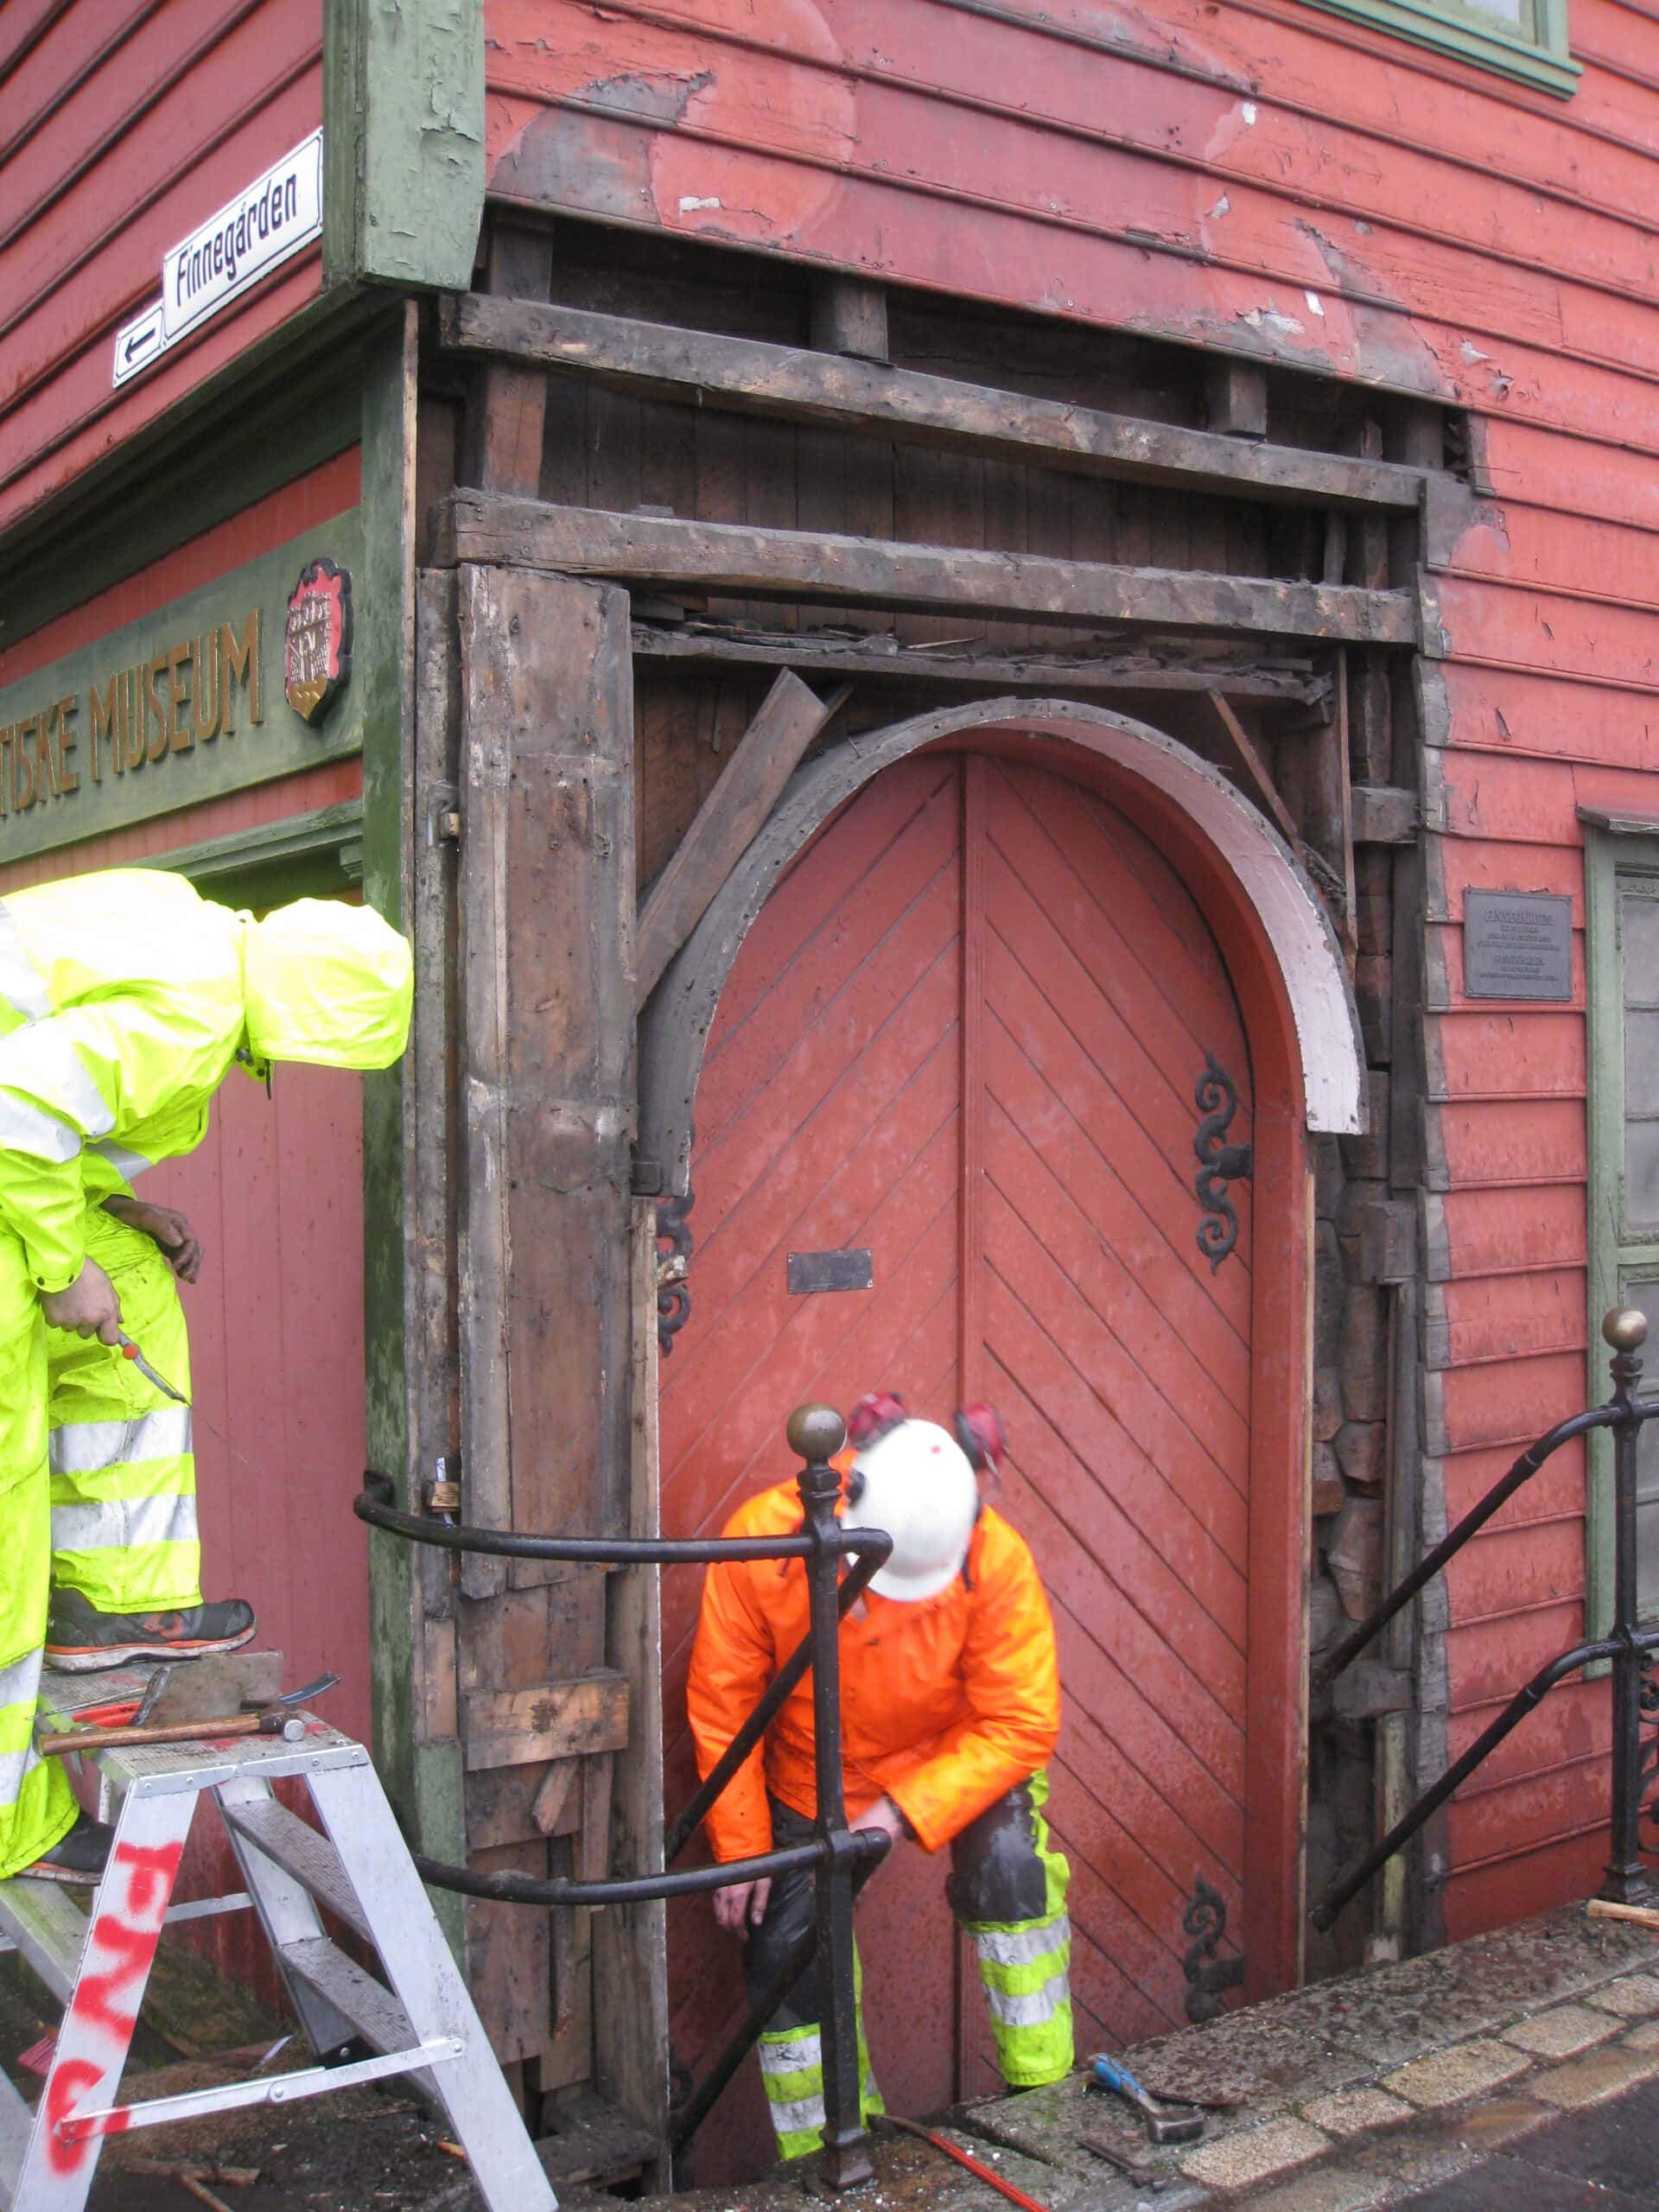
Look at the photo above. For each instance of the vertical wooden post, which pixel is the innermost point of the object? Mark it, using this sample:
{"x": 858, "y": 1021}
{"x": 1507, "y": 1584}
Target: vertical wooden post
{"x": 509, "y": 405}
{"x": 546, "y": 967}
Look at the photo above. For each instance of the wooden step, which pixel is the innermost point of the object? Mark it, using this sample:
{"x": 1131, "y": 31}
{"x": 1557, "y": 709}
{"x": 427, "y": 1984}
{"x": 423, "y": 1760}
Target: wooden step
{"x": 48, "y": 1929}
{"x": 301, "y": 1851}
{"x": 595, "y": 2144}
{"x": 353, "y": 1992}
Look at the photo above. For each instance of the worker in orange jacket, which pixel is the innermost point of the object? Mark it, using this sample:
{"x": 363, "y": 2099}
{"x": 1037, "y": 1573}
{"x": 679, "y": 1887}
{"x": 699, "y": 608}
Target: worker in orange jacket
{"x": 950, "y": 1706}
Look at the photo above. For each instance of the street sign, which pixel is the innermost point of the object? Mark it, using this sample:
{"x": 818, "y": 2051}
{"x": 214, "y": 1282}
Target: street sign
{"x": 138, "y": 343}
{"x": 239, "y": 245}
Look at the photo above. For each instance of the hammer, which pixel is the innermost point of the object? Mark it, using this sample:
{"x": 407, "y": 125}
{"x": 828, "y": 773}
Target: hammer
{"x": 278, "y": 1718}
{"x": 1161, "y": 2126}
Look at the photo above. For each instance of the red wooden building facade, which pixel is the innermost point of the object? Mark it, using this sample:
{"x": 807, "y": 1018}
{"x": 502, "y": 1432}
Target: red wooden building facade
{"x": 1212, "y": 446}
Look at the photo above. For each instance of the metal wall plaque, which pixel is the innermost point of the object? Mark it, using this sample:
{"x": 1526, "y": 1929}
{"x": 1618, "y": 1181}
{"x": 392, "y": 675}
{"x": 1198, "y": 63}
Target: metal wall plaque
{"x": 810, "y": 1271}
{"x": 1518, "y": 944}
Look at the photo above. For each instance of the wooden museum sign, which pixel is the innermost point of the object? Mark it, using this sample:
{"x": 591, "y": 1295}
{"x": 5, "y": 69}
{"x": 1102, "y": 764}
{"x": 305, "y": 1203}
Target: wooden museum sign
{"x": 246, "y": 679}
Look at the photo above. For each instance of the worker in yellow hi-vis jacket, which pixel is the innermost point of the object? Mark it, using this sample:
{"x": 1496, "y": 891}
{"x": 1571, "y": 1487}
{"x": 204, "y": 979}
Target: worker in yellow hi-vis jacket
{"x": 126, "y": 999}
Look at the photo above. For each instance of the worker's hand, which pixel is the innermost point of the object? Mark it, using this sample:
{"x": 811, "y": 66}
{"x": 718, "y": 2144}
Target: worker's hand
{"x": 883, "y": 1815}
{"x": 89, "y": 1306}
{"x": 166, "y": 1227}
{"x": 742, "y": 1904}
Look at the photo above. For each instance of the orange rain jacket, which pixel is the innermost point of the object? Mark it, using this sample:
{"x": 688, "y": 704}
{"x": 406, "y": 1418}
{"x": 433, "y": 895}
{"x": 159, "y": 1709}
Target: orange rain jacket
{"x": 945, "y": 1705}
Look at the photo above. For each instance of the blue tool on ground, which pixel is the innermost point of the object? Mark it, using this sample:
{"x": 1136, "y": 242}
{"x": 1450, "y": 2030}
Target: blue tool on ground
{"x": 1161, "y": 2126}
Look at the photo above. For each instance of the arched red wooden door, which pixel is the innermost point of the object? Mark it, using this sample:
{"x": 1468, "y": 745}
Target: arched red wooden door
{"x": 965, "y": 1034}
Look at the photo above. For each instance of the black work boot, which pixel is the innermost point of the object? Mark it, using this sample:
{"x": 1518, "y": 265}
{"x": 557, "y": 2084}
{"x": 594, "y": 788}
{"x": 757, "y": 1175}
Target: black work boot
{"x": 80, "y": 1640}
{"x": 78, "y": 1857}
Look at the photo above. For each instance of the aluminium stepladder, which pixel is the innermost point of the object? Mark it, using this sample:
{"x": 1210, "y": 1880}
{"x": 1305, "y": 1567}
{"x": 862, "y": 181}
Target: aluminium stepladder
{"x": 419, "y": 2020}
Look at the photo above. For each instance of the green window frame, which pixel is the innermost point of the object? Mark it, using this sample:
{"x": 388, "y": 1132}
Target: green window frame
{"x": 1529, "y": 44}
{"x": 1621, "y": 881}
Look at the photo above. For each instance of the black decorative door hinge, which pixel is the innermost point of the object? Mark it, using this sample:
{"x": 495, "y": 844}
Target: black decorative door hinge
{"x": 1219, "y": 1163}
{"x": 674, "y": 1242}
{"x": 1208, "y": 1978}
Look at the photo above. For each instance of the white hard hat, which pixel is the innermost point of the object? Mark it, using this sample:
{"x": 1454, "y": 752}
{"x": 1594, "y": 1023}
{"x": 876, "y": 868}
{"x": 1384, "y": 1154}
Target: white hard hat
{"x": 915, "y": 1481}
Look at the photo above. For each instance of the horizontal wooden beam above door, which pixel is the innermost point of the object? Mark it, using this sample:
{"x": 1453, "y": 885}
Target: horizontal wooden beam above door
{"x": 752, "y": 562}
{"x": 752, "y": 378}
{"x": 1168, "y": 666}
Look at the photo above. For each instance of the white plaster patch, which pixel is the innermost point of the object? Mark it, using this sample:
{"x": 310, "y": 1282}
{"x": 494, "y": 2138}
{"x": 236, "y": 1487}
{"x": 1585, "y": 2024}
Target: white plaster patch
{"x": 1473, "y": 352}
{"x": 690, "y": 203}
{"x": 1315, "y": 304}
{"x": 1222, "y": 207}
{"x": 1249, "y": 112}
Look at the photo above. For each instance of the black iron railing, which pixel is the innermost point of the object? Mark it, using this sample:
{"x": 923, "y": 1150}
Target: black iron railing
{"x": 844, "y": 1857}
{"x": 1626, "y": 1646}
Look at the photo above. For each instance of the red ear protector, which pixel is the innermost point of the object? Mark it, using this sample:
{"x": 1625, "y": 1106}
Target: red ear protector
{"x": 877, "y": 1414}
{"x": 983, "y": 1437}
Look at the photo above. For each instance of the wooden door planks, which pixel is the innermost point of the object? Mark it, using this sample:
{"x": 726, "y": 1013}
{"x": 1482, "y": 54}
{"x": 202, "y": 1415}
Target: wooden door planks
{"x": 750, "y": 561}
{"x": 547, "y": 869}
{"x": 823, "y": 387}
{"x": 546, "y": 899}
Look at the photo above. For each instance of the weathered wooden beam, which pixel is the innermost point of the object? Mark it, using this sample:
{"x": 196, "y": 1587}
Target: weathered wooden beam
{"x": 508, "y": 405}
{"x": 1385, "y": 815}
{"x": 1239, "y": 398}
{"x": 1167, "y": 668}
{"x": 1245, "y": 745}
{"x": 849, "y": 316}
{"x": 756, "y": 563}
{"x": 753, "y": 378}
{"x": 767, "y": 754}
{"x": 556, "y": 1720}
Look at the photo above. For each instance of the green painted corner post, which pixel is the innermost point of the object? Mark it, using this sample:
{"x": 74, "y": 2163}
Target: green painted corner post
{"x": 422, "y": 1777}
{"x": 402, "y": 141}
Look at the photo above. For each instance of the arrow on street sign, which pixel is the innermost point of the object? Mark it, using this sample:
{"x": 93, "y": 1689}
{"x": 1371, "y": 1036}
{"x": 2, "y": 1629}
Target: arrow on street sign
{"x": 137, "y": 343}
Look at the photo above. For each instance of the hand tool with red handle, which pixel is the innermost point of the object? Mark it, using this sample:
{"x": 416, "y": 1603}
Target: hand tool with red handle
{"x": 984, "y": 2173}
{"x": 277, "y": 1718}
{"x": 129, "y": 1350}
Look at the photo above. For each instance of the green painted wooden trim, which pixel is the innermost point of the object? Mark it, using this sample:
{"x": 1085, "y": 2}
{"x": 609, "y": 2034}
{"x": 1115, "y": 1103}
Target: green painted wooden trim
{"x": 403, "y": 141}
{"x": 327, "y": 834}
{"x": 1543, "y": 62}
{"x": 1615, "y": 1260}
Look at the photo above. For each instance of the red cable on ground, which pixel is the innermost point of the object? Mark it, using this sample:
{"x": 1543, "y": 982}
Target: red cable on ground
{"x": 985, "y": 2173}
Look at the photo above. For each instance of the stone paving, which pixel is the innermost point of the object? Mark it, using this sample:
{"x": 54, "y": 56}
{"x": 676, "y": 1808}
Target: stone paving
{"x": 1518, "y": 2072}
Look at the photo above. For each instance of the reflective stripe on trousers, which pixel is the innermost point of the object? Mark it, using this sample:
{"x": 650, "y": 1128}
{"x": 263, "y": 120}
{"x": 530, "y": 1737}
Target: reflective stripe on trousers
{"x": 791, "y": 2067}
{"x": 1026, "y": 1968}
{"x": 124, "y": 1472}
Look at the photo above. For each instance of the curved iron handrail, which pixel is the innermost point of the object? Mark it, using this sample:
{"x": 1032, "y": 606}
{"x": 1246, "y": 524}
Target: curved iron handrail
{"x": 845, "y": 1857}
{"x": 1627, "y": 1646}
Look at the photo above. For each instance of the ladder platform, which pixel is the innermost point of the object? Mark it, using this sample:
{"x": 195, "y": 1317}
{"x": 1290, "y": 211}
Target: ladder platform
{"x": 414, "y": 2019}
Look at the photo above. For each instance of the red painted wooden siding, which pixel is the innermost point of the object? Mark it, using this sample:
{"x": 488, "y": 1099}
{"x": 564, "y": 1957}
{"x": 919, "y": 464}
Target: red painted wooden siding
{"x": 965, "y": 1033}
{"x": 1269, "y": 178}
{"x": 123, "y": 128}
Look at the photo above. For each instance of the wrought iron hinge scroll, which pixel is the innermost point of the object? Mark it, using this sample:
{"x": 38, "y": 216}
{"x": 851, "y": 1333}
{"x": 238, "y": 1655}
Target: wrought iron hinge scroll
{"x": 674, "y": 1243}
{"x": 1208, "y": 1978}
{"x": 1219, "y": 1163}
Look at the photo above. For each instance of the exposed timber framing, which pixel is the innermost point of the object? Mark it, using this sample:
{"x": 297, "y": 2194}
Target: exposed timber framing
{"x": 754, "y": 563}
{"x": 770, "y": 750}
{"x": 1164, "y": 667}
{"x": 510, "y": 399}
{"x": 1245, "y": 745}
{"x": 754, "y": 377}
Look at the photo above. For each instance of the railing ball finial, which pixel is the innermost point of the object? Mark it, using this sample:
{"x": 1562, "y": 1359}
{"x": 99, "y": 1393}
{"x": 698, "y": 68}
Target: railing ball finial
{"x": 816, "y": 1433}
{"x": 1625, "y": 1328}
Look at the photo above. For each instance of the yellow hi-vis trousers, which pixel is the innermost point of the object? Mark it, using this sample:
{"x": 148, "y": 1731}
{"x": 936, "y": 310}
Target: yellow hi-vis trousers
{"x": 37, "y": 1807}
{"x": 123, "y": 1474}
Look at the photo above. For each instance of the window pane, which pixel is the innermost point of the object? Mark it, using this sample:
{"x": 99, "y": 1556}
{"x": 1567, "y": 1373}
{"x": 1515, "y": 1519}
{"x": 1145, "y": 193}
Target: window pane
{"x": 1512, "y": 11}
{"x": 1642, "y": 1062}
{"x": 1641, "y": 1175}
{"x": 1639, "y": 934}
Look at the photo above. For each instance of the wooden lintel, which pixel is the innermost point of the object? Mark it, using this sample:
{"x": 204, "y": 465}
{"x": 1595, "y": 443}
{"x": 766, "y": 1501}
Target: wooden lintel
{"x": 1163, "y": 667}
{"x": 791, "y": 381}
{"x": 789, "y": 718}
{"x": 1245, "y": 745}
{"x": 749, "y": 562}
{"x": 1384, "y": 814}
